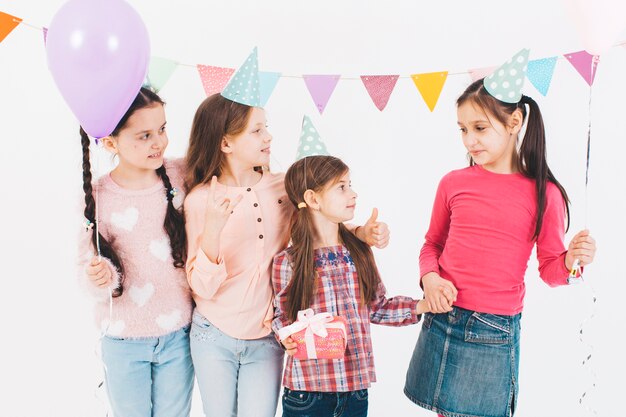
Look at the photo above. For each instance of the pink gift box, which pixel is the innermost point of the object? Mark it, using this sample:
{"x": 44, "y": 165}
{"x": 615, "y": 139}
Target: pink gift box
{"x": 319, "y": 336}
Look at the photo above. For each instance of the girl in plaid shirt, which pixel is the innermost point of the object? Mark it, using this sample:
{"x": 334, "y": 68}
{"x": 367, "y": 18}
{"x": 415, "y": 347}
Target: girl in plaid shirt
{"x": 329, "y": 270}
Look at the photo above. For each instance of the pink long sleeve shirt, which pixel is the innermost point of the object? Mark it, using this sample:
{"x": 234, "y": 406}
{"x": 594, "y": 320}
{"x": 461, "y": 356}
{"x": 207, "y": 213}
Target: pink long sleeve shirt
{"x": 235, "y": 294}
{"x": 156, "y": 298}
{"x": 480, "y": 238}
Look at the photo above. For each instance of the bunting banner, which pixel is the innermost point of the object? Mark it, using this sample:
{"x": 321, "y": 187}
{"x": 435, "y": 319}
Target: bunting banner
{"x": 478, "y": 73}
{"x": 540, "y": 72}
{"x": 321, "y": 88}
{"x": 430, "y": 86}
{"x": 379, "y": 87}
{"x": 214, "y": 79}
{"x": 585, "y": 64}
{"x": 7, "y": 24}
{"x": 160, "y": 71}
{"x": 268, "y": 81}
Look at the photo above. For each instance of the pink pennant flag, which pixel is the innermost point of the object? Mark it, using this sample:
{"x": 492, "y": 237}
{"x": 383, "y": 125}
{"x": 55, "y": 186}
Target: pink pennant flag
{"x": 321, "y": 88}
{"x": 478, "y": 73}
{"x": 214, "y": 79}
{"x": 585, "y": 63}
{"x": 45, "y": 35}
{"x": 379, "y": 87}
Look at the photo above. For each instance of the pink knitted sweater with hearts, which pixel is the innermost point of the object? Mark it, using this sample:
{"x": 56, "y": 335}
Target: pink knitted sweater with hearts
{"x": 156, "y": 298}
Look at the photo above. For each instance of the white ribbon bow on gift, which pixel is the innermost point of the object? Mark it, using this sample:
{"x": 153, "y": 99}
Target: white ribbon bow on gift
{"x": 315, "y": 324}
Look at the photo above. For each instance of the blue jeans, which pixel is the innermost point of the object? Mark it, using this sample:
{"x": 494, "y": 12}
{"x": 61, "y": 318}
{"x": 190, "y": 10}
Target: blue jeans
{"x": 236, "y": 377}
{"x": 466, "y": 364}
{"x": 149, "y": 377}
{"x": 325, "y": 404}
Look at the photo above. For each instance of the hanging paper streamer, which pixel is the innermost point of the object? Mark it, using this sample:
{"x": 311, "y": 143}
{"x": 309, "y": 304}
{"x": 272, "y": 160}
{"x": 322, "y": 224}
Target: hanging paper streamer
{"x": 540, "y": 73}
{"x": 585, "y": 64}
{"x": 214, "y": 78}
{"x": 321, "y": 88}
{"x": 268, "y": 81}
{"x": 379, "y": 87}
{"x": 161, "y": 69}
{"x": 478, "y": 73}
{"x": 45, "y": 35}
{"x": 7, "y": 24}
{"x": 430, "y": 86}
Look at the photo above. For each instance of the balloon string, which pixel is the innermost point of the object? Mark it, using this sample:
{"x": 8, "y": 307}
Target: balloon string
{"x": 583, "y": 400}
{"x": 98, "y": 348}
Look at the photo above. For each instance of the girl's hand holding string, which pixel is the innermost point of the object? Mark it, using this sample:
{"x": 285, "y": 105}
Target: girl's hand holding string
{"x": 439, "y": 293}
{"x": 373, "y": 232}
{"x": 99, "y": 273}
{"x": 582, "y": 247}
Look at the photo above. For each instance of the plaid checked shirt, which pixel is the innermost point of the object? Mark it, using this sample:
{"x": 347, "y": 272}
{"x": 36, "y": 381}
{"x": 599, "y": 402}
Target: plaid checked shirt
{"x": 338, "y": 293}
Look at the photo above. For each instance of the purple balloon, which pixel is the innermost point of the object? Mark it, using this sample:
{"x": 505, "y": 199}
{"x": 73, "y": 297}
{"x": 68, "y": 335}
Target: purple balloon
{"x": 98, "y": 53}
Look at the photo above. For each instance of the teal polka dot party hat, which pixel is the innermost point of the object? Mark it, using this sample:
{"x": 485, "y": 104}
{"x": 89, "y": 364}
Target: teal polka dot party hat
{"x": 506, "y": 82}
{"x": 244, "y": 86}
{"x": 310, "y": 141}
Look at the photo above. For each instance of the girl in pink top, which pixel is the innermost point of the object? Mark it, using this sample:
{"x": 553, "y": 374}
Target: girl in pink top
{"x": 133, "y": 254}
{"x": 237, "y": 215}
{"x": 485, "y": 221}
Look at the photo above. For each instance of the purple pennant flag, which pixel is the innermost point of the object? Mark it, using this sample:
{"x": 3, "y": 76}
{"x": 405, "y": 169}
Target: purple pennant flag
{"x": 321, "y": 88}
{"x": 45, "y": 35}
{"x": 585, "y": 63}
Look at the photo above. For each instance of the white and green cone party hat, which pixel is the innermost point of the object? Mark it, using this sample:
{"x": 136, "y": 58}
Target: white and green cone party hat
{"x": 310, "y": 142}
{"x": 505, "y": 83}
{"x": 244, "y": 86}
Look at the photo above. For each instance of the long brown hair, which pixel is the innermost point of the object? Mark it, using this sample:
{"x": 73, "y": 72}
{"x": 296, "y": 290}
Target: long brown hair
{"x": 215, "y": 118}
{"x": 315, "y": 173}
{"x": 531, "y": 161}
{"x": 174, "y": 222}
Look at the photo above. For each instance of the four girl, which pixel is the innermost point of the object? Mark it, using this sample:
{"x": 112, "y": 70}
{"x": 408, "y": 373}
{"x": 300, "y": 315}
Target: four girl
{"x": 239, "y": 220}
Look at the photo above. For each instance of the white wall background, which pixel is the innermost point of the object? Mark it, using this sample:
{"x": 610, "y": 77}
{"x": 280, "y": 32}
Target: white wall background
{"x": 397, "y": 158}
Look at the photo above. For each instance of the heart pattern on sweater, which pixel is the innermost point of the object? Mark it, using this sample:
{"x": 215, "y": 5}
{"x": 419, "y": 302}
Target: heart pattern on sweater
{"x": 113, "y": 329}
{"x": 127, "y": 219}
{"x": 140, "y": 296}
{"x": 161, "y": 249}
{"x": 169, "y": 321}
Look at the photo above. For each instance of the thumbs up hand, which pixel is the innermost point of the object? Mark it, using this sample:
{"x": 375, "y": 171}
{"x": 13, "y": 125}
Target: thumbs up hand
{"x": 373, "y": 232}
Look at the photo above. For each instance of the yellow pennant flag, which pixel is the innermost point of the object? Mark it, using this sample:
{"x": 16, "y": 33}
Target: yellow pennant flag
{"x": 7, "y": 24}
{"x": 430, "y": 86}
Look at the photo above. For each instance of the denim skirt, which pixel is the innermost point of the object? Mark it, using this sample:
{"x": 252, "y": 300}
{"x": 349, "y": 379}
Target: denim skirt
{"x": 466, "y": 364}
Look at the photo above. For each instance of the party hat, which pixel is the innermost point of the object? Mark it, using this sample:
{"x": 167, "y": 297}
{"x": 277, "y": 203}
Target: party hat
{"x": 506, "y": 82}
{"x": 244, "y": 86}
{"x": 310, "y": 142}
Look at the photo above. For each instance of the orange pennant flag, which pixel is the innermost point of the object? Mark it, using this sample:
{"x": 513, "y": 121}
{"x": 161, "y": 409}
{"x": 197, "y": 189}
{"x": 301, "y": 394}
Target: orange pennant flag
{"x": 430, "y": 86}
{"x": 7, "y": 24}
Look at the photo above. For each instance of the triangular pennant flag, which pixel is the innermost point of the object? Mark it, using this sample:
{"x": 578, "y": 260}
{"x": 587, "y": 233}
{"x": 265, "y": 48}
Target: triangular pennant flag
{"x": 244, "y": 87}
{"x": 268, "y": 82}
{"x": 45, "y": 35}
{"x": 478, "y": 73}
{"x": 310, "y": 141}
{"x": 160, "y": 71}
{"x": 214, "y": 78}
{"x": 7, "y": 24}
{"x": 321, "y": 88}
{"x": 430, "y": 86}
{"x": 583, "y": 61}
{"x": 540, "y": 73}
{"x": 379, "y": 87}
{"x": 505, "y": 83}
